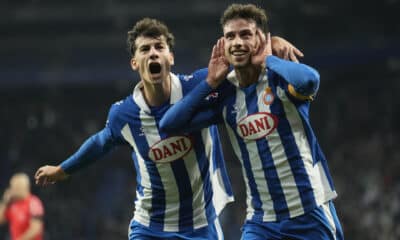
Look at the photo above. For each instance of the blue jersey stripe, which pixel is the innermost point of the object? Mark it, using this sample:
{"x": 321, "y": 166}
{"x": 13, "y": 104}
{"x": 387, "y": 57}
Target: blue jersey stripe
{"x": 217, "y": 157}
{"x": 270, "y": 172}
{"x": 293, "y": 155}
{"x": 185, "y": 195}
{"x": 139, "y": 187}
{"x": 185, "y": 190}
{"x": 316, "y": 150}
{"x": 158, "y": 201}
{"x": 204, "y": 167}
{"x": 255, "y": 196}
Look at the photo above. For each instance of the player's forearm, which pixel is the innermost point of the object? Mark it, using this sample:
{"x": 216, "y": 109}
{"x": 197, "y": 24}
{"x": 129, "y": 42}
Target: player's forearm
{"x": 93, "y": 149}
{"x": 33, "y": 230}
{"x": 303, "y": 78}
{"x": 3, "y": 207}
{"x": 179, "y": 116}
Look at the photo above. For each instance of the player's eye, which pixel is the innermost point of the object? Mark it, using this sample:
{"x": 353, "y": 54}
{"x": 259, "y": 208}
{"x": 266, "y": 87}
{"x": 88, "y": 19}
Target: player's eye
{"x": 246, "y": 34}
{"x": 229, "y": 36}
{"x": 160, "y": 46}
{"x": 144, "y": 49}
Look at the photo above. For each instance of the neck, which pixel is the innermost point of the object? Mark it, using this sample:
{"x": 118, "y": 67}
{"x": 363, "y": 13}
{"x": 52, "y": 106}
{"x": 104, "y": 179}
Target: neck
{"x": 248, "y": 75}
{"x": 157, "y": 94}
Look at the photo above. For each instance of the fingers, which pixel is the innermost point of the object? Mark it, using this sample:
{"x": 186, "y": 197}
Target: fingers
{"x": 214, "y": 52}
{"x": 218, "y": 49}
{"x": 292, "y": 56}
{"x": 41, "y": 177}
{"x": 298, "y": 52}
{"x": 262, "y": 42}
{"x": 268, "y": 46}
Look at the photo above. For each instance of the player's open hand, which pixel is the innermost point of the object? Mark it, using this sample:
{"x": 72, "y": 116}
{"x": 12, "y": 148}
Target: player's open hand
{"x": 284, "y": 49}
{"x": 263, "y": 48}
{"x": 218, "y": 65}
{"x": 49, "y": 175}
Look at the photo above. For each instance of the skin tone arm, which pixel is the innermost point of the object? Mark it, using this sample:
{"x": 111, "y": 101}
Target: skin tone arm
{"x": 3, "y": 205}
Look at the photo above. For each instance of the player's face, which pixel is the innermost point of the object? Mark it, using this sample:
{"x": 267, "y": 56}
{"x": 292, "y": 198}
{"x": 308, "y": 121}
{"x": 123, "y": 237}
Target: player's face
{"x": 240, "y": 41}
{"x": 19, "y": 187}
{"x": 153, "y": 59}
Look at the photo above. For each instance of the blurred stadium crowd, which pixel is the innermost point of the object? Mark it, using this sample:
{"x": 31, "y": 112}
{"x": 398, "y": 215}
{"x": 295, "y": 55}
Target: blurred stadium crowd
{"x": 63, "y": 64}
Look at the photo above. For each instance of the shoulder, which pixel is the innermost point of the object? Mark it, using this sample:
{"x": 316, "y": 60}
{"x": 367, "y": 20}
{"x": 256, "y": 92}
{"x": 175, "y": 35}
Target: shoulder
{"x": 35, "y": 206}
{"x": 194, "y": 78}
{"x": 119, "y": 107}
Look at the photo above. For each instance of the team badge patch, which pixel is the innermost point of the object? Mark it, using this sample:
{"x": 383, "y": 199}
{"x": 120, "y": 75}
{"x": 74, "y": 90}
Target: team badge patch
{"x": 268, "y": 96}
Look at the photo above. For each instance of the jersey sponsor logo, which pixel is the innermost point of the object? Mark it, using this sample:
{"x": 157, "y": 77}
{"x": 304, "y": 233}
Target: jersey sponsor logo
{"x": 170, "y": 149}
{"x": 257, "y": 125}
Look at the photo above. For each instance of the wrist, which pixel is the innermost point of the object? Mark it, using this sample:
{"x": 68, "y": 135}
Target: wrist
{"x": 212, "y": 83}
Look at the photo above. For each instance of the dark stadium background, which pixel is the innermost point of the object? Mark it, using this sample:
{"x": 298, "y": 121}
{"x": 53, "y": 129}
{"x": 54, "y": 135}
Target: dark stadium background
{"x": 63, "y": 63}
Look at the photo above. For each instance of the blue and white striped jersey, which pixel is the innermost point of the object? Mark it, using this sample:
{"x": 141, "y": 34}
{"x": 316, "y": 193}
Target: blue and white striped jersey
{"x": 182, "y": 182}
{"x": 284, "y": 169}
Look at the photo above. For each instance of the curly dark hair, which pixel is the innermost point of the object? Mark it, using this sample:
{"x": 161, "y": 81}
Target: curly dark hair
{"x": 149, "y": 27}
{"x": 248, "y": 12}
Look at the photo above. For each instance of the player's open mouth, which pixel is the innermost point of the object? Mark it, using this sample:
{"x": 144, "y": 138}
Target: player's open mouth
{"x": 155, "y": 68}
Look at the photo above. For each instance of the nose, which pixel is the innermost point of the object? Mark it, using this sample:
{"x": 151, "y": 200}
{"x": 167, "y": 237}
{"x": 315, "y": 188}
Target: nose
{"x": 153, "y": 53}
{"x": 237, "y": 41}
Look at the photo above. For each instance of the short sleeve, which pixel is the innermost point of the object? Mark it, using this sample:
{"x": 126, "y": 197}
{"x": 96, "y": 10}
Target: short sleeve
{"x": 36, "y": 207}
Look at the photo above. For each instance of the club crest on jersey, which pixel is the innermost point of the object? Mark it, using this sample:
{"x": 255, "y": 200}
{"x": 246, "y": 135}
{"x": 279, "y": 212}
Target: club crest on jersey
{"x": 268, "y": 96}
{"x": 257, "y": 125}
{"x": 213, "y": 95}
{"x": 170, "y": 149}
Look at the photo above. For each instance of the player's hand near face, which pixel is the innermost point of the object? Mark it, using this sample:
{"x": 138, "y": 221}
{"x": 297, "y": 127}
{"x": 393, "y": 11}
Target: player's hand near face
{"x": 284, "y": 49}
{"x": 263, "y": 49}
{"x": 49, "y": 175}
{"x": 218, "y": 65}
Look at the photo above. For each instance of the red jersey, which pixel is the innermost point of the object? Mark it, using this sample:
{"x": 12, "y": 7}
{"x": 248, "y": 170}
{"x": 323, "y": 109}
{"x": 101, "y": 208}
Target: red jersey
{"x": 19, "y": 214}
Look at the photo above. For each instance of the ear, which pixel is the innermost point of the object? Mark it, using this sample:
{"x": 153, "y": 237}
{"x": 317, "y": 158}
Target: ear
{"x": 171, "y": 59}
{"x": 134, "y": 64}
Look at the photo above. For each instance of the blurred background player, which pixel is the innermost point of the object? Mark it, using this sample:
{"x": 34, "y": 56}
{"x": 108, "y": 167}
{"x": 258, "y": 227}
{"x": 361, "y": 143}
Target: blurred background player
{"x": 265, "y": 110}
{"x": 22, "y": 210}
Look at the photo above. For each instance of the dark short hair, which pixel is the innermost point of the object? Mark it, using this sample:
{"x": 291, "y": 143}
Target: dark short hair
{"x": 248, "y": 12}
{"x": 148, "y": 27}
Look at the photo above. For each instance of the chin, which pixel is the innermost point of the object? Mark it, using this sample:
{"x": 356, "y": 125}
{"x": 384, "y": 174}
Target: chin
{"x": 157, "y": 80}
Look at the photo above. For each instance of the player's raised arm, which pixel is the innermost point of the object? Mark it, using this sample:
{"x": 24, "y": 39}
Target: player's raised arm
{"x": 303, "y": 80}
{"x": 92, "y": 149}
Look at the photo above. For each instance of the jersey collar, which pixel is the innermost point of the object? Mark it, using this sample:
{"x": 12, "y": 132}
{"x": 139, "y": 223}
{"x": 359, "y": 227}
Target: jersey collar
{"x": 232, "y": 77}
{"x": 176, "y": 93}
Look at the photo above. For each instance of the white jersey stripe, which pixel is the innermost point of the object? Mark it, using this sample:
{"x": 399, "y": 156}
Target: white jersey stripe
{"x": 300, "y": 137}
{"x": 236, "y": 149}
{"x": 328, "y": 214}
{"x": 166, "y": 174}
{"x": 142, "y": 212}
{"x": 282, "y": 166}
{"x": 199, "y": 214}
